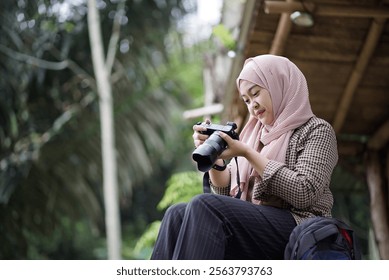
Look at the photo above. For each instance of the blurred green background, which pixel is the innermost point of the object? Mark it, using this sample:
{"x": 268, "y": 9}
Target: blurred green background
{"x": 51, "y": 194}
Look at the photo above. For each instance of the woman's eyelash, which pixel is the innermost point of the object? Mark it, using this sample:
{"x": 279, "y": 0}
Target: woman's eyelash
{"x": 254, "y": 94}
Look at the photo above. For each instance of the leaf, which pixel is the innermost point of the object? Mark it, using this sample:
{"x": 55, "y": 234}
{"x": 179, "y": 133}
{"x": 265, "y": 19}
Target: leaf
{"x": 181, "y": 188}
{"x": 225, "y": 36}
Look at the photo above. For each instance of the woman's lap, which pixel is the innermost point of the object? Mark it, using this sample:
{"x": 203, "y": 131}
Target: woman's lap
{"x": 214, "y": 226}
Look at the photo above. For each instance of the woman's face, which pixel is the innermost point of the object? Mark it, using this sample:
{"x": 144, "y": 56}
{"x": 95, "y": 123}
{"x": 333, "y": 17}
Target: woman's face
{"x": 258, "y": 101}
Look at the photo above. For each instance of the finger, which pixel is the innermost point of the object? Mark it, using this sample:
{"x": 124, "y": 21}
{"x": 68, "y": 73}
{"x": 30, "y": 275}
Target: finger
{"x": 224, "y": 136}
{"x": 199, "y": 127}
{"x": 199, "y": 135}
{"x": 199, "y": 139}
{"x": 197, "y": 143}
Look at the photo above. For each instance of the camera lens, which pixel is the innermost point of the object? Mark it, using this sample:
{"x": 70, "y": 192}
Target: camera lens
{"x": 206, "y": 154}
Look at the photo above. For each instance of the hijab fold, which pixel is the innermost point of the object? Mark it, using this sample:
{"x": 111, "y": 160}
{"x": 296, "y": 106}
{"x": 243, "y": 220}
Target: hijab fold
{"x": 290, "y": 98}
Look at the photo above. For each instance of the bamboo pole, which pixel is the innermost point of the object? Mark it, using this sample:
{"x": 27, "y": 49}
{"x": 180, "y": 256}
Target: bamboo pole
{"x": 358, "y": 71}
{"x": 282, "y": 34}
{"x": 378, "y": 204}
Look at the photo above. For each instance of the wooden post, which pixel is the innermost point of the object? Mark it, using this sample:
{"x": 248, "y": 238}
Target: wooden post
{"x": 378, "y": 203}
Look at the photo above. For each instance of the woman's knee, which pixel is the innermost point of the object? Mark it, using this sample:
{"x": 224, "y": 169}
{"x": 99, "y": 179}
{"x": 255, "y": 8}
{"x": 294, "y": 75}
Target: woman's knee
{"x": 201, "y": 201}
{"x": 200, "y": 198}
{"x": 175, "y": 210}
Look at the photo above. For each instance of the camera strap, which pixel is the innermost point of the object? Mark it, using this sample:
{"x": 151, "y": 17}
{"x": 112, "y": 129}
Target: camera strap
{"x": 238, "y": 179}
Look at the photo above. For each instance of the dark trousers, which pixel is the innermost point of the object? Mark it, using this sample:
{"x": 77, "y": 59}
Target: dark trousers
{"x": 220, "y": 227}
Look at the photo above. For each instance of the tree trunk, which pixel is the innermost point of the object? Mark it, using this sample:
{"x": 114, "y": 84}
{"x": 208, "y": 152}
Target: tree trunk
{"x": 110, "y": 185}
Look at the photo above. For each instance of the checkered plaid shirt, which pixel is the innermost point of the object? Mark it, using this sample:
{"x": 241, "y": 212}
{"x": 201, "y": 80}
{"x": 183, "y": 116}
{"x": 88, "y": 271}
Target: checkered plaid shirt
{"x": 302, "y": 183}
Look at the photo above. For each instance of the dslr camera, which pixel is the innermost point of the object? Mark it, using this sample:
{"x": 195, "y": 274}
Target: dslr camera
{"x": 207, "y": 153}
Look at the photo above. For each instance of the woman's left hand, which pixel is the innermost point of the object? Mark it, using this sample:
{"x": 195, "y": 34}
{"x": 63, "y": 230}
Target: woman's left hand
{"x": 235, "y": 147}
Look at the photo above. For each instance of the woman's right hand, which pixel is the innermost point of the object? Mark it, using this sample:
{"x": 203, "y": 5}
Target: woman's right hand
{"x": 198, "y": 137}
{"x": 218, "y": 178}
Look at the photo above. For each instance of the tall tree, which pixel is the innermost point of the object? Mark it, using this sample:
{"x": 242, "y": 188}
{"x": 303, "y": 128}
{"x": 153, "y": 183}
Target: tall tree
{"x": 102, "y": 72}
{"x": 50, "y": 179}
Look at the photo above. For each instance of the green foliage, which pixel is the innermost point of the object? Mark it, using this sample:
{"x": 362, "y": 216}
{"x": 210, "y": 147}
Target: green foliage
{"x": 50, "y": 158}
{"x": 143, "y": 247}
{"x": 181, "y": 187}
{"x": 225, "y": 36}
{"x": 68, "y": 239}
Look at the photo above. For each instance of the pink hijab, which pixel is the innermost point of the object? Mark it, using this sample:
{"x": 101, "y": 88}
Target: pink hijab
{"x": 289, "y": 94}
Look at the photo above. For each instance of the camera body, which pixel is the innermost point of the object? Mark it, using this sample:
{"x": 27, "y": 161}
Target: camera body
{"x": 207, "y": 153}
{"x": 229, "y": 129}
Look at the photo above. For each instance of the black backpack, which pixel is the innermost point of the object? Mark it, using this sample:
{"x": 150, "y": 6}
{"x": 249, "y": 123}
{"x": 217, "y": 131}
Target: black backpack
{"x": 322, "y": 238}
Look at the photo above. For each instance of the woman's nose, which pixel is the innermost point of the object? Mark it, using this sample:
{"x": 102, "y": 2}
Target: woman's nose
{"x": 255, "y": 105}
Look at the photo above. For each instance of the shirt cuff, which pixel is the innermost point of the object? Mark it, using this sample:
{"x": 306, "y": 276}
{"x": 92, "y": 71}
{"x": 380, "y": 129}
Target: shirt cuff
{"x": 220, "y": 190}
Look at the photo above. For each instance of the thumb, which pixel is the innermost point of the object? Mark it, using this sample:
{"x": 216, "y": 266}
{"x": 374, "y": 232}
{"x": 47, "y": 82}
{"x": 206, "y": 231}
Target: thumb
{"x": 225, "y": 137}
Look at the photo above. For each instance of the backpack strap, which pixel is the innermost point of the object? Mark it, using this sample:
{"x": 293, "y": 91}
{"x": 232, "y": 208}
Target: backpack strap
{"x": 321, "y": 233}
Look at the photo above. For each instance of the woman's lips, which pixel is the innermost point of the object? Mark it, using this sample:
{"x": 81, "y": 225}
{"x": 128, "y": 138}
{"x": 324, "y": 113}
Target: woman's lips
{"x": 260, "y": 112}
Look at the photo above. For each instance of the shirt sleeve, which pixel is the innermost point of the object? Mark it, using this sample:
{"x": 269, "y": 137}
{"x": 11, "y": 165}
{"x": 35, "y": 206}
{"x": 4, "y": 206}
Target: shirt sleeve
{"x": 302, "y": 182}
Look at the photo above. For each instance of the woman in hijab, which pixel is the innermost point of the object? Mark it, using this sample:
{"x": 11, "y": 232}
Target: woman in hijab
{"x": 286, "y": 156}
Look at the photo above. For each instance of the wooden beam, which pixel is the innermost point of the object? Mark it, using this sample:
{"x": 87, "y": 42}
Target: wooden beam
{"x": 359, "y": 69}
{"x": 278, "y": 7}
{"x": 204, "y": 111}
{"x": 282, "y": 33}
{"x": 380, "y": 138}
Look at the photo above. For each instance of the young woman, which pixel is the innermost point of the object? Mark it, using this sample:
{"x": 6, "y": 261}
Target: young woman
{"x": 286, "y": 156}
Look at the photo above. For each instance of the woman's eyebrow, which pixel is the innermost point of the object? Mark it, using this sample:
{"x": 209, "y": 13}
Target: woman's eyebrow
{"x": 245, "y": 92}
{"x": 254, "y": 89}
